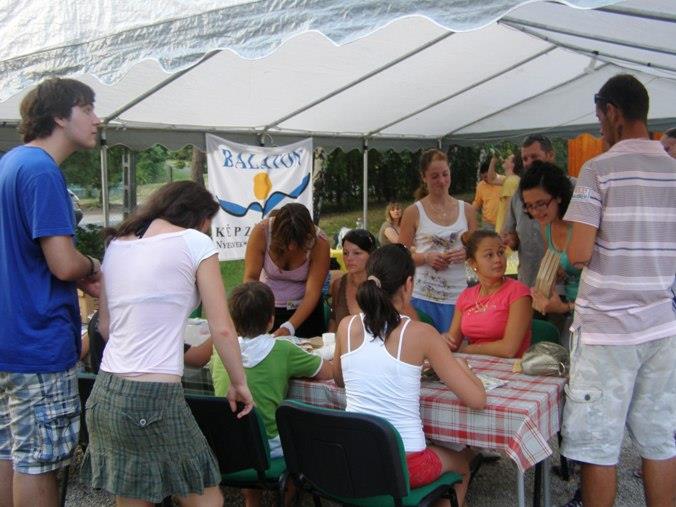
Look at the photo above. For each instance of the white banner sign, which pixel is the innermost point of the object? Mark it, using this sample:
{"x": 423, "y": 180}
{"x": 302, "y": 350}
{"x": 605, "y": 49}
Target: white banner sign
{"x": 249, "y": 182}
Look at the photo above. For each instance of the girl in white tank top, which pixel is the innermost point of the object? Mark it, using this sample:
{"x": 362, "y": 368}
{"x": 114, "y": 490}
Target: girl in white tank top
{"x": 380, "y": 363}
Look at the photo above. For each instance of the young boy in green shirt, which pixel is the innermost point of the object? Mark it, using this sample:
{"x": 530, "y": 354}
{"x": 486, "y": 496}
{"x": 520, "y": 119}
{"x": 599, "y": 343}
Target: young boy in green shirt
{"x": 268, "y": 363}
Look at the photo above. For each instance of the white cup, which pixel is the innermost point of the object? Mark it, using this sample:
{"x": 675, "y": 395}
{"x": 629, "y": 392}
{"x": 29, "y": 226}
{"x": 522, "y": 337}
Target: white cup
{"x": 329, "y": 338}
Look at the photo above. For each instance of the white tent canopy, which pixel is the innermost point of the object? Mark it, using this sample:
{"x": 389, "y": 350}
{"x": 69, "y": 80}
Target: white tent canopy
{"x": 399, "y": 74}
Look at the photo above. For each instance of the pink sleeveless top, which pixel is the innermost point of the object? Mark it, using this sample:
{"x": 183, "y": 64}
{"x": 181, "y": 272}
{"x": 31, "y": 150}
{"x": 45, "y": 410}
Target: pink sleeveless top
{"x": 288, "y": 286}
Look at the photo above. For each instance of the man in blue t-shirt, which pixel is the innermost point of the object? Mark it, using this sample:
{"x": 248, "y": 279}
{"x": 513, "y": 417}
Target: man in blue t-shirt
{"x": 40, "y": 269}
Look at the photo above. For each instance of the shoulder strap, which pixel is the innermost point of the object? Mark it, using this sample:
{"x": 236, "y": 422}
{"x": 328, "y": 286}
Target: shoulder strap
{"x": 401, "y": 336}
{"x": 548, "y": 236}
{"x": 349, "y": 332}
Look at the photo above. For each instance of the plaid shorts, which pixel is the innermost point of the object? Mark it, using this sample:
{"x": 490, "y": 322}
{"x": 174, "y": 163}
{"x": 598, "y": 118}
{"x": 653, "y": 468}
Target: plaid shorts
{"x": 39, "y": 419}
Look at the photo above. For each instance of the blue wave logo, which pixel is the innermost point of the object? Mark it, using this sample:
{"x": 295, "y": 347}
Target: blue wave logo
{"x": 237, "y": 210}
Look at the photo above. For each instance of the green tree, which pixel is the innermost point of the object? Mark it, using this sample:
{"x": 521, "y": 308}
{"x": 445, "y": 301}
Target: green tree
{"x": 83, "y": 168}
{"x": 150, "y": 164}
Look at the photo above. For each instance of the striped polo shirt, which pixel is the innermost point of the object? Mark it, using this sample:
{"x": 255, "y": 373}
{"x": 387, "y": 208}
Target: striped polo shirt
{"x": 626, "y": 291}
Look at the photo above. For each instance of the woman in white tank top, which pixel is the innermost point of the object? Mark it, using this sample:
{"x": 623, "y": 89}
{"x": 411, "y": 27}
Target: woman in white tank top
{"x": 432, "y": 227}
{"x": 379, "y": 357}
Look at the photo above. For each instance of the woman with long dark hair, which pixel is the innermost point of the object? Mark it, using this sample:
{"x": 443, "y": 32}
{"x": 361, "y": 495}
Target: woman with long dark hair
{"x": 144, "y": 443}
{"x": 357, "y": 246}
{"x": 379, "y": 357}
{"x": 291, "y": 256}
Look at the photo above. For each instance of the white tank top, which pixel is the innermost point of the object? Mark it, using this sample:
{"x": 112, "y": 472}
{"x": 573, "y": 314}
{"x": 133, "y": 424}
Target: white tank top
{"x": 439, "y": 286}
{"x": 377, "y": 383}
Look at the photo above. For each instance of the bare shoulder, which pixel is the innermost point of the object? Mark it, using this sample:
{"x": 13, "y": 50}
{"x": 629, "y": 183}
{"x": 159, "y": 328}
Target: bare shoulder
{"x": 422, "y": 331}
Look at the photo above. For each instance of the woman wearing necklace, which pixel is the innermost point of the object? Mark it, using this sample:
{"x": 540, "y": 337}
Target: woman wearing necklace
{"x": 546, "y": 192}
{"x": 431, "y": 228}
{"x": 291, "y": 256}
{"x": 357, "y": 246}
{"x": 495, "y": 315}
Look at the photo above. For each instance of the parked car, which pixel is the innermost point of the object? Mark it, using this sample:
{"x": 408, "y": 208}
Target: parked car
{"x": 76, "y": 207}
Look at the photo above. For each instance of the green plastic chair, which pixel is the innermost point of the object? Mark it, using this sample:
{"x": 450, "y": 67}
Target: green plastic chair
{"x": 240, "y": 446}
{"x": 352, "y": 458}
{"x": 544, "y": 331}
{"x": 424, "y": 317}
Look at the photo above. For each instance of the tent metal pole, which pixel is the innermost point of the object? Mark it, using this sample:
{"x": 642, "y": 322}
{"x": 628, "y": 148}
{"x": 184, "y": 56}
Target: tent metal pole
{"x": 104, "y": 178}
{"x": 638, "y": 13}
{"x": 592, "y": 52}
{"x": 517, "y": 23}
{"x": 359, "y": 80}
{"x": 524, "y": 100}
{"x": 366, "y": 184}
{"x": 464, "y": 90}
{"x": 156, "y": 88}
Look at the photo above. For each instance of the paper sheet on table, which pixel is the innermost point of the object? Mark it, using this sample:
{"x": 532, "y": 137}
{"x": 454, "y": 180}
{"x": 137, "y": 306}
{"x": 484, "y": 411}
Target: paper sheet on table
{"x": 490, "y": 382}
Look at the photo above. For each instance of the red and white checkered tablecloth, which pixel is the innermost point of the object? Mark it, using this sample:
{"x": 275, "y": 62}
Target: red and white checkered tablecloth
{"x": 520, "y": 416}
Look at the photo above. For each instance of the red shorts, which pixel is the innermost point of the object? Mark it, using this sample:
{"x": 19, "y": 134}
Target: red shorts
{"x": 423, "y": 467}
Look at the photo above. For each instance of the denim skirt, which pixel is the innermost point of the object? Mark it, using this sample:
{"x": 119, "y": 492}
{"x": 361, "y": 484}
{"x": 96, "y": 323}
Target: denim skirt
{"x": 144, "y": 442}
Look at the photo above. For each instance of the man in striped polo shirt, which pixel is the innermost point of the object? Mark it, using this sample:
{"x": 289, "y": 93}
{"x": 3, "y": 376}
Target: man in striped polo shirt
{"x": 624, "y": 347}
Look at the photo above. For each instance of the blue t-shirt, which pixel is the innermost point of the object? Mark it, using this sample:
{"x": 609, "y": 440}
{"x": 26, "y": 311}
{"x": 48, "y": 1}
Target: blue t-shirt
{"x": 39, "y": 315}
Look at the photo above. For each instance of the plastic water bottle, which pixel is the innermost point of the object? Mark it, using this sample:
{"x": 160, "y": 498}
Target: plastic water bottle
{"x": 359, "y": 223}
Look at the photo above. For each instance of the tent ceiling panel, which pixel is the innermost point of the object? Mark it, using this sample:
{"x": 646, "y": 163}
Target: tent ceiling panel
{"x": 545, "y": 111}
{"x": 528, "y": 80}
{"x": 247, "y": 92}
{"x": 68, "y": 38}
{"x": 451, "y": 65}
{"x": 477, "y": 82}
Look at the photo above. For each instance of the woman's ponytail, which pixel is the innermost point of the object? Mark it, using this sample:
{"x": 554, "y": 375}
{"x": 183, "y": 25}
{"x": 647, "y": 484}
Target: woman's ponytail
{"x": 388, "y": 268}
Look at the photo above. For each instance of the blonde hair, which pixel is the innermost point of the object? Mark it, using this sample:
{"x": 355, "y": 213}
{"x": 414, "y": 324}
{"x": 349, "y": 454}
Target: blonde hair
{"x": 392, "y": 205}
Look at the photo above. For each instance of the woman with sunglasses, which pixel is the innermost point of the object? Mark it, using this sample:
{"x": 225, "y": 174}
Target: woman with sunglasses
{"x": 546, "y": 192}
{"x": 389, "y": 230}
{"x": 291, "y": 256}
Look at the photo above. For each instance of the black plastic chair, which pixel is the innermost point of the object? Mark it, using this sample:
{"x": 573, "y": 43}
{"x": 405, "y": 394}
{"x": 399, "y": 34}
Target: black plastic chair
{"x": 96, "y": 343}
{"x": 85, "y": 383}
{"x": 352, "y": 458}
{"x": 240, "y": 445}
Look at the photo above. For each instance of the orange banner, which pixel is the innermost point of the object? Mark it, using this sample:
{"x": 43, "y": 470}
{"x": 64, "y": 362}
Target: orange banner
{"x": 586, "y": 146}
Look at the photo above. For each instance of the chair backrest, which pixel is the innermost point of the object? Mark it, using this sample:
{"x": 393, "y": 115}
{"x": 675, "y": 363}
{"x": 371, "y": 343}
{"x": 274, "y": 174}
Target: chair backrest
{"x": 424, "y": 317}
{"x": 96, "y": 343}
{"x": 544, "y": 331}
{"x": 237, "y": 443}
{"x": 85, "y": 383}
{"x": 343, "y": 454}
